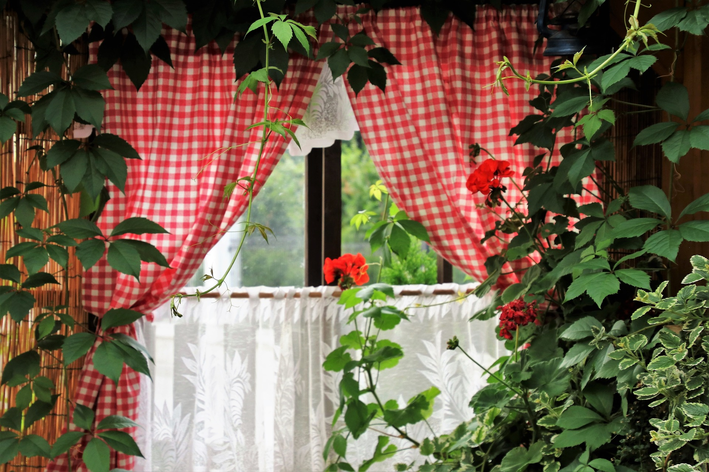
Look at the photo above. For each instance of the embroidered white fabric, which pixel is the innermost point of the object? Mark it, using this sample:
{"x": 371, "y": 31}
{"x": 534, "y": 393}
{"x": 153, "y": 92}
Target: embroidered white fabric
{"x": 329, "y": 116}
{"x": 238, "y": 384}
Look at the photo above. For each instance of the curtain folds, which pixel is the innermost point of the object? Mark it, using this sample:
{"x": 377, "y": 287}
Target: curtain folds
{"x": 437, "y": 104}
{"x": 191, "y": 133}
{"x": 239, "y": 385}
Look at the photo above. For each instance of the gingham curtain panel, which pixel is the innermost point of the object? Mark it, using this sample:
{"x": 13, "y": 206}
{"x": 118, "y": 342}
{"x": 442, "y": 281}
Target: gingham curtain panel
{"x": 191, "y": 134}
{"x": 436, "y": 104}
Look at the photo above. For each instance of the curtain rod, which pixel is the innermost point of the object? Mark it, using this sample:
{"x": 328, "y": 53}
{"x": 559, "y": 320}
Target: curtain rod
{"x": 336, "y": 294}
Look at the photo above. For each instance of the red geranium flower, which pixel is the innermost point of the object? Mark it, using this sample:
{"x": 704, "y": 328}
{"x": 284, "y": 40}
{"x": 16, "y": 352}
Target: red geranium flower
{"x": 348, "y": 270}
{"x": 487, "y": 176}
{"x": 516, "y": 314}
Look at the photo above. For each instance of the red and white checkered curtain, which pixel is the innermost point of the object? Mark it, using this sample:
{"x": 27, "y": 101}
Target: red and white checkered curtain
{"x": 435, "y": 106}
{"x": 192, "y": 135}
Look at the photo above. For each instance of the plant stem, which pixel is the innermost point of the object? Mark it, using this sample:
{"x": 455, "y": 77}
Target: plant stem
{"x": 490, "y": 373}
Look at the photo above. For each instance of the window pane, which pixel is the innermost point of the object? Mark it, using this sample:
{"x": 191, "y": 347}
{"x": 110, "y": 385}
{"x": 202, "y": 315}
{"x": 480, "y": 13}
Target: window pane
{"x": 280, "y": 261}
{"x": 358, "y": 174}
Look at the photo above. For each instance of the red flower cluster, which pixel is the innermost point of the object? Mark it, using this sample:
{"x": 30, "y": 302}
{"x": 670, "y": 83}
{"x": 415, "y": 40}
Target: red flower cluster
{"x": 486, "y": 177}
{"x": 348, "y": 270}
{"x": 515, "y": 314}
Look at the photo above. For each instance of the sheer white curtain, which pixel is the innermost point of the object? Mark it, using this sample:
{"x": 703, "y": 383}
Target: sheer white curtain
{"x": 238, "y": 383}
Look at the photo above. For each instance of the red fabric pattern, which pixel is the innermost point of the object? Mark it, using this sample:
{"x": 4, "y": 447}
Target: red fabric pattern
{"x": 435, "y": 106}
{"x": 191, "y": 133}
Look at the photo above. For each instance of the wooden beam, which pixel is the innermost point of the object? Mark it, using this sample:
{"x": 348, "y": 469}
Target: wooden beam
{"x": 323, "y": 210}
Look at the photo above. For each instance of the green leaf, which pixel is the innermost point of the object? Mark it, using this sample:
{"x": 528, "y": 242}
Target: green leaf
{"x": 642, "y": 63}
{"x": 37, "y": 82}
{"x": 60, "y": 111}
{"x": 65, "y": 442}
{"x": 518, "y": 458}
{"x": 615, "y": 74}
{"x": 570, "y": 103}
{"x": 39, "y": 279}
{"x": 91, "y": 77}
{"x": 650, "y": 198}
{"x": 635, "y": 227}
{"x": 581, "y": 329}
{"x": 89, "y": 106}
{"x": 700, "y": 204}
{"x": 338, "y": 62}
{"x": 147, "y": 26}
{"x": 673, "y": 97}
{"x": 74, "y": 170}
{"x": 668, "y": 18}
{"x": 357, "y": 78}
{"x": 97, "y": 456}
{"x": 25, "y": 364}
{"x": 549, "y": 377}
{"x": 665, "y": 243}
{"x": 359, "y": 56}
{"x": 173, "y": 13}
{"x": 328, "y": 49}
{"x": 61, "y": 152}
{"x": 357, "y": 418}
{"x": 655, "y": 133}
{"x": 119, "y": 317}
{"x": 108, "y": 360}
{"x": 634, "y": 277}
{"x": 17, "y": 303}
{"x": 337, "y": 359}
{"x": 695, "y": 231}
{"x": 694, "y": 23}
{"x": 90, "y": 251}
{"x": 79, "y": 228}
{"x": 121, "y": 442}
{"x": 9, "y": 447}
{"x": 83, "y": 417}
{"x": 283, "y": 32}
{"x": 137, "y": 225}
{"x": 116, "y": 144}
{"x": 382, "y": 55}
{"x": 111, "y": 165}
{"x": 7, "y": 128}
{"x": 598, "y": 286}
{"x": 677, "y": 146}
{"x": 127, "y": 340}
{"x": 699, "y": 137}
{"x": 399, "y": 241}
{"x": 600, "y": 397}
{"x": 661, "y": 363}
{"x": 578, "y": 353}
{"x": 76, "y": 346}
{"x": 576, "y": 417}
{"x": 123, "y": 257}
{"x": 339, "y": 445}
{"x": 12, "y": 419}
{"x": 33, "y": 445}
{"x": 10, "y": 272}
{"x": 116, "y": 422}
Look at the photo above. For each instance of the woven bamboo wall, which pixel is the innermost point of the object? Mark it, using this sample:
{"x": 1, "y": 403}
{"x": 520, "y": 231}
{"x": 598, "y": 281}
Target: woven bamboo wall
{"x": 19, "y": 165}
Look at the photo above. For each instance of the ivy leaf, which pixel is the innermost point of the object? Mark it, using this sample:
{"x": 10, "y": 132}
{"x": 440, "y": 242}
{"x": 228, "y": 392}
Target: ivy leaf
{"x": 328, "y": 49}
{"x": 549, "y": 377}
{"x": 133, "y": 358}
{"x": 126, "y": 12}
{"x": 634, "y": 277}
{"x": 674, "y": 99}
{"x": 37, "y": 82}
{"x": 108, "y": 360}
{"x": 359, "y": 56}
{"x": 60, "y": 111}
{"x": 124, "y": 258}
{"x": 283, "y": 32}
{"x": 137, "y": 225}
{"x": 119, "y": 317}
{"x": 518, "y": 458}
{"x": 116, "y": 422}
{"x": 23, "y": 365}
{"x": 173, "y": 13}
{"x": 74, "y": 170}
{"x": 338, "y": 62}
{"x": 91, "y": 77}
{"x": 65, "y": 442}
{"x": 581, "y": 329}
{"x": 135, "y": 61}
{"x": 61, "y": 152}
{"x": 76, "y": 346}
{"x": 677, "y": 146}
{"x": 383, "y": 56}
{"x": 83, "y": 417}
{"x": 377, "y": 75}
{"x": 121, "y": 442}
{"x": 7, "y": 128}
{"x": 97, "y": 456}
{"x": 635, "y": 227}
{"x": 357, "y": 78}
{"x": 79, "y": 228}
{"x": 694, "y": 23}
{"x": 111, "y": 165}
{"x": 665, "y": 243}
{"x": 700, "y": 204}
{"x": 668, "y": 18}
{"x": 695, "y": 231}
{"x": 10, "y": 272}
{"x": 699, "y": 137}
{"x": 39, "y": 279}
{"x": 17, "y": 303}
{"x": 148, "y": 252}
{"x": 116, "y": 144}
{"x": 615, "y": 74}
{"x": 33, "y": 445}
{"x": 89, "y": 106}
{"x": 324, "y": 10}
{"x": 650, "y": 198}
{"x": 58, "y": 254}
{"x": 655, "y": 133}
{"x": 9, "y": 447}
{"x": 147, "y": 26}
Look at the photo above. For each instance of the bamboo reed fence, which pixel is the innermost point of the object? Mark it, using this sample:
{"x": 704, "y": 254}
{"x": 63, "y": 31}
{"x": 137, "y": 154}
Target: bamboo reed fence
{"x": 19, "y": 165}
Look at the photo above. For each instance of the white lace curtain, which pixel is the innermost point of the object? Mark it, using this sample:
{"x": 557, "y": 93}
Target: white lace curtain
{"x": 238, "y": 383}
